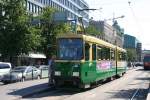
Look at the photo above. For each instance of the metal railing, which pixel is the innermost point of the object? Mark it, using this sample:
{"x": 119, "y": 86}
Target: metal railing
{"x": 15, "y": 76}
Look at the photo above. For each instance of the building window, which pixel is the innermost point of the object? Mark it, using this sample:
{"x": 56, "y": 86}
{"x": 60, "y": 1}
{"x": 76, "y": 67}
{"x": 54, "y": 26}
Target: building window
{"x": 31, "y": 7}
{"x": 28, "y": 6}
{"x": 50, "y": 2}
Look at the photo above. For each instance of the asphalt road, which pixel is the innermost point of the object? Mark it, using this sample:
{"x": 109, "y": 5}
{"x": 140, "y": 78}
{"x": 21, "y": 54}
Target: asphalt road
{"x": 15, "y": 91}
{"x": 132, "y": 86}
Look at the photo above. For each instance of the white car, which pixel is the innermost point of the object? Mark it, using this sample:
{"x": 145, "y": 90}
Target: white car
{"x": 4, "y": 69}
{"x": 21, "y": 73}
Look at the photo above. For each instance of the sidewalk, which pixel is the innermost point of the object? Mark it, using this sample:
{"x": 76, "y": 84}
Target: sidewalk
{"x": 18, "y": 90}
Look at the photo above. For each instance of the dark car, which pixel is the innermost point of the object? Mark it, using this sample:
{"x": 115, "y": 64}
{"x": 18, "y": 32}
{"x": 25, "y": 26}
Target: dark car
{"x": 21, "y": 73}
{"x": 138, "y": 64}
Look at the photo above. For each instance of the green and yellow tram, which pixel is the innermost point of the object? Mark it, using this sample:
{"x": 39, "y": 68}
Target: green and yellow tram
{"x": 86, "y": 60}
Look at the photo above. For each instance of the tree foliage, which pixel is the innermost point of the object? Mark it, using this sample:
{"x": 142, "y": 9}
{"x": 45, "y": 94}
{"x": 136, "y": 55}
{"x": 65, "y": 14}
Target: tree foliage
{"x": 16, "y": 34}
{"x": 120, "y": 31}
{"x": 91, "y": 30}
{"x": 131, "y": 54}
{"x": 50, "y": 29}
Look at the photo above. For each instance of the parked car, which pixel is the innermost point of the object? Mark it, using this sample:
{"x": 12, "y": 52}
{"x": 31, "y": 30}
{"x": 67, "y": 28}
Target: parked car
{"x": 21, "y": 73}
{"x": 45, "y": 67}
{"x": 4, "y": 69}
{"x": 138, "y": 64}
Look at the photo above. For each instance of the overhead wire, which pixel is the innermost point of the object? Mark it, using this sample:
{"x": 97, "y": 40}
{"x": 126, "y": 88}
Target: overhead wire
{"x": 138, "y": 25}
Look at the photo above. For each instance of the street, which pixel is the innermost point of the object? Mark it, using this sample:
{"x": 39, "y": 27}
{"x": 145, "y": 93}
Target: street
{"x": 133, "y": 85}
{"x": 15, "y": 91}
{"x": 75, "y": 49}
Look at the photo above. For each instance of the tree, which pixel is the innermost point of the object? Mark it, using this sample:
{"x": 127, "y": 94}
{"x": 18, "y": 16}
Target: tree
{"x": 50, "y": 29}
{"x": 120, "y": 31}
{"x": 131, "y": 55}
{"x": 16, "y": 34}
{"x": 92, "y": 30}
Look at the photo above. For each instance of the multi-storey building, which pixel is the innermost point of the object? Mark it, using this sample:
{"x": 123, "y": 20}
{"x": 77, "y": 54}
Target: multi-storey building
{"x": 71, "y": 7}
{"x": 130, "y": 42}
{"x": 139, "y": 51}
{"x": 108, "y": 33}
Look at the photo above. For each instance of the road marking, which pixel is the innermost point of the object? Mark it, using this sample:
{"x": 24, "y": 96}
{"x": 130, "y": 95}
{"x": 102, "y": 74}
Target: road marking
{"x": 134, "y": 94}
{"x": 138, "y": 89}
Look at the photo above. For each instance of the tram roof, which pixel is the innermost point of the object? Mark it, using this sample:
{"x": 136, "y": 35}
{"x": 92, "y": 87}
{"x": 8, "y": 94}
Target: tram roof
{"x": 91, "y": 39}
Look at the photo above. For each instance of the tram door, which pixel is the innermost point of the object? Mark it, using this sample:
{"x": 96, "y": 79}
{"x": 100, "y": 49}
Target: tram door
{"x": 88, "y": 70}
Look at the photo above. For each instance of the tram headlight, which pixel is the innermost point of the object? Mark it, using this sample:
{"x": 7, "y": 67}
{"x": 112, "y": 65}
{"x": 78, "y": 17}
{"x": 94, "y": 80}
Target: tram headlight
{"x": 75, "y": 74}
{"x": 57, "y": 73}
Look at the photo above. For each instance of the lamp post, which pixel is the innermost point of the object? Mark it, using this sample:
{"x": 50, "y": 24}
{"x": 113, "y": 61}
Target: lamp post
{"x": 116, "y": 54}
{"x": 113, "y": 20}
{"x": 114, "y": 28}
{"x": 80, "y": 18}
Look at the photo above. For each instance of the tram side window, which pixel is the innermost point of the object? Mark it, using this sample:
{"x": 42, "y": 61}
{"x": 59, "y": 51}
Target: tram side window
{"x": 105, "y": 53}
{"x": 99, "y": 54}
{"x": 120, "y": 56}
{"x": 87, "y": 51}
{"x": 123, "y": 56}
{"x": 112, "y": 55}
{"x": 94, "y": 51}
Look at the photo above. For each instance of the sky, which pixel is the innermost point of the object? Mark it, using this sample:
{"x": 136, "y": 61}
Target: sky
{"x": 137, "y": 16}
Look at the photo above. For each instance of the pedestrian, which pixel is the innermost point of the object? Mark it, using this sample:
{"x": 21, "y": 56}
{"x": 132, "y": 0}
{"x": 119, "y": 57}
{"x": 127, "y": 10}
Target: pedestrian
{"x": 51, "y": 69}
{"x": 129, "y": 64}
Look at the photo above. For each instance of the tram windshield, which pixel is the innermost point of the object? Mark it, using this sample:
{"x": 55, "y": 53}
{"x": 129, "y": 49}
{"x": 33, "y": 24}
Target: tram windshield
{"x": 70, "y": 49}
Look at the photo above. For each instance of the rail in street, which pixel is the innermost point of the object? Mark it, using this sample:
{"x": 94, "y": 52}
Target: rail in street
{"x": 133, "y": 85}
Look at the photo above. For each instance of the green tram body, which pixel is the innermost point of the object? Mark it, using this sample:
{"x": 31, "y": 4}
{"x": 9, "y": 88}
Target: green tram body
{"x": 92, "y": 66}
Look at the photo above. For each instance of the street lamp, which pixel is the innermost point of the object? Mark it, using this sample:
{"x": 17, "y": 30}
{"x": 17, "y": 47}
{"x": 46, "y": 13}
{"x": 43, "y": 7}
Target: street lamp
{"x": 116, "y": 56}
{"x": 114, "y": 28}
{"x": 113, "y": 20}
{"x": 80, "y": 18}
{"x": 92, "y": 9}
{"x": 86, "y": 9}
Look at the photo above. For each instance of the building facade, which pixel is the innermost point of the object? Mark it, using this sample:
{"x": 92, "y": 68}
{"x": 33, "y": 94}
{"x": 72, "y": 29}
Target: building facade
{"x": 72, "y": 8}
{"x": 139, "y": 51}
{"x": 130, "y": 42}
{"x": 108, "y": 33}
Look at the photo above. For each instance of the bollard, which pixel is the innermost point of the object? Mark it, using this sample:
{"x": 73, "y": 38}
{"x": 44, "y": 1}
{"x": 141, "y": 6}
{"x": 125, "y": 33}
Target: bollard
{"x": 32, "y": 74}
{"x": 22, "y": 76}
{"x": 41, "y": 73}
{"x": 10, "y": 77}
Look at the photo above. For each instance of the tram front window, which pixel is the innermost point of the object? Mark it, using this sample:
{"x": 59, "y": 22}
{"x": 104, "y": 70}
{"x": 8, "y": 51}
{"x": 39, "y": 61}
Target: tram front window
{"x": 70, "y": 49}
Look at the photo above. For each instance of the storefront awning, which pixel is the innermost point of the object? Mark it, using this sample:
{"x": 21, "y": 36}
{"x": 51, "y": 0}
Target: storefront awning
{"x": 32, "y": 55}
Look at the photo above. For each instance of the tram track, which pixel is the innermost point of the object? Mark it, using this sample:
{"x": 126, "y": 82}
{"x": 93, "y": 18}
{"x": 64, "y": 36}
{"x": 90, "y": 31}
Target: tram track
{"x": 137, "y": 95}
{"x": 132, "y": 87}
